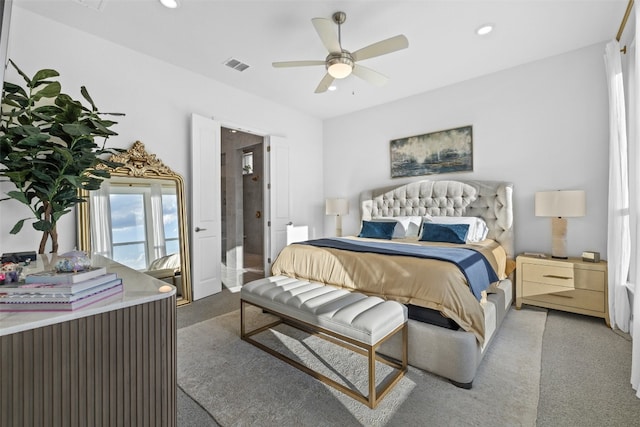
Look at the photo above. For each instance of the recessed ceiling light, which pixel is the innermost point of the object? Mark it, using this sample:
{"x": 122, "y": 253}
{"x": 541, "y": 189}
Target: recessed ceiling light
{"x": 484, "y": 29}
{"x": 332, "y": 88}
{"x": 171, "y": 4}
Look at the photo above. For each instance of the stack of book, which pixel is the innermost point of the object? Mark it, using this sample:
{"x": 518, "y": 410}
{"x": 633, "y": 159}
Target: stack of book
{"x": 59, "y": 291}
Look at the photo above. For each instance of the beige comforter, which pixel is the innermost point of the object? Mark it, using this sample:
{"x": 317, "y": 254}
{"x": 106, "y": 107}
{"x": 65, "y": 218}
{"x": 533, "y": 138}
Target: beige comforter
{"x": 434, "y": 284}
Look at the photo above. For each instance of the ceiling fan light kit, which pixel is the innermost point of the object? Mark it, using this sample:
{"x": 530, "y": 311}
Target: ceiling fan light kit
{"x": 340, "y": 63}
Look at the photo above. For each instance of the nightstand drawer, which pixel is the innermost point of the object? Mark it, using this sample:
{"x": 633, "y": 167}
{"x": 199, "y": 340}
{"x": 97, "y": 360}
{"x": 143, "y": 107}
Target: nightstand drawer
{"x": 558, "y": 295}
{"x": 549, "y": 274}
{"x": 593, "y": 280}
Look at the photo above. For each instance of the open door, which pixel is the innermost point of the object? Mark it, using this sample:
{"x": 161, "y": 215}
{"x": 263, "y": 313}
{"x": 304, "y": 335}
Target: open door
{"x": 206, "y": 238}
{"x": 279, "y": 199}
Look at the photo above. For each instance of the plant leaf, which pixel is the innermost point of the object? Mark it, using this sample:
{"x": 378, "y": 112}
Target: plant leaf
{"x": 44, "y": 74}
{"x": 73, "y": 180}
{"x": 55, "y": 216}
{"x": 24, "y": 76}
{"x": 42, "y": 176}
{"x": 85, "y": 93}
{"x": 32, "y": 140}
{"x": 14, "y": 89}
{"x": 75, "y": 129}
{"x": 16, "y": 176}
{"x": 49, "y": 91}
{"x": 18, "y": 196}
{"x": 16, "y": 228}
{"x": 42, "y": 225}
{"x": 100, "y": 173}
{"x": 16, "y": 101}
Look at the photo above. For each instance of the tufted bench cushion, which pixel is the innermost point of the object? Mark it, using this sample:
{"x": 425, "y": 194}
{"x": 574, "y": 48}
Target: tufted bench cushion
{"x": 359, "y": 322}
{"x": 354, "y": 315}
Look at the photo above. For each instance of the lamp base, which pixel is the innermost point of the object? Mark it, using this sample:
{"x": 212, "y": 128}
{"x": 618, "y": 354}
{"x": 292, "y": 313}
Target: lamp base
{"x": 559, "y": 238}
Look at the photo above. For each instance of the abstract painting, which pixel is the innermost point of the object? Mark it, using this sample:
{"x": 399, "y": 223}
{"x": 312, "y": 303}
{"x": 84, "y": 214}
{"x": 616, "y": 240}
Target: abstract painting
{"x": 444, "y": 151}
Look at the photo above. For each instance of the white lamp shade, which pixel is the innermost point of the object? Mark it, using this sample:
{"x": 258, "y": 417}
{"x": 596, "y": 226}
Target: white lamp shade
{"x": 337, "y": 207}
{"x": 561, "y": 204}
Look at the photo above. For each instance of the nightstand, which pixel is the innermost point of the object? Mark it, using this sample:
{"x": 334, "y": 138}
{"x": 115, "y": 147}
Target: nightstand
{"x": 563, "y": 284}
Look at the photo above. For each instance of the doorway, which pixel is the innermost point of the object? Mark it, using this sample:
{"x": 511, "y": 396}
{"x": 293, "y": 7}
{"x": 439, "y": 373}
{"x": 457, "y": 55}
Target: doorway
{"x": 242, "y": 207}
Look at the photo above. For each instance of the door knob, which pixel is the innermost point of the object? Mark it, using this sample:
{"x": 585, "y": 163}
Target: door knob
{"x": 200, "y": 229}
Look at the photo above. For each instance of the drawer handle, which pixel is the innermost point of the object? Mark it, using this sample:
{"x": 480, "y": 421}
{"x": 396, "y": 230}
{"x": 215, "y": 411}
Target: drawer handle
{"x": 553, "y": 276}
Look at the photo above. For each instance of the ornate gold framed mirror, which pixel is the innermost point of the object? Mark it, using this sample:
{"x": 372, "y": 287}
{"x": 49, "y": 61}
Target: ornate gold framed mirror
{"x": 137, "y": 218}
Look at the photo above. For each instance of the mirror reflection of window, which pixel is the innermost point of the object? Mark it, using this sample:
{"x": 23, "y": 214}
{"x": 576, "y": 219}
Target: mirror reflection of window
{"x": 144, "y": 223}
{"x": 128, "y": 227}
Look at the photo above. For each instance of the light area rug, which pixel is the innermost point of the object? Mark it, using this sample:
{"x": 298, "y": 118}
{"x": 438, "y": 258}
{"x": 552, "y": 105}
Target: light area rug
{"x": 241, "y": 385}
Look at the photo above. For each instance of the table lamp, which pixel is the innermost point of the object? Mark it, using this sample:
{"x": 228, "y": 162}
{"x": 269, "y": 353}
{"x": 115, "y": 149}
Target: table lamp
{"x": 337, "y": 207}
{"x": 559, "y": 205}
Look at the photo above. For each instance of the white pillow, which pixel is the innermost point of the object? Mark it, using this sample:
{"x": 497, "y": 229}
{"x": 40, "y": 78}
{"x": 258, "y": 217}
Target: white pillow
{"x": 406, "y": 226}
{"x": 478, "y": 229}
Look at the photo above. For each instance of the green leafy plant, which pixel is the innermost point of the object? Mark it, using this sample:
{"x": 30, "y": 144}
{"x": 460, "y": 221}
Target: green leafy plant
{"x": 48, "y": 149}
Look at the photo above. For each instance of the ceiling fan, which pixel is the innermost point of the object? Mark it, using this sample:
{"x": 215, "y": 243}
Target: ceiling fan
{"x": 340, "y": 63}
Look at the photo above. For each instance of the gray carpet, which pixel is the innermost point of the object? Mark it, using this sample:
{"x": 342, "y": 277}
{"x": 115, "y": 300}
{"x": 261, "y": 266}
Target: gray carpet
{"x": 239, "y": 384}
{"x": 585, "y": 374}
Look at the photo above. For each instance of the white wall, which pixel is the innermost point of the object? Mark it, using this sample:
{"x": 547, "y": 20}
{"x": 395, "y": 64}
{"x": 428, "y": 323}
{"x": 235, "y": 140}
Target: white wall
{"x": 542, "y": 126}
{"x": 158, "y": 100}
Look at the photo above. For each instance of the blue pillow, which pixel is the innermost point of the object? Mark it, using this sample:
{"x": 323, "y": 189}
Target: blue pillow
{"x": 449, "y": 233}
{"x": 377, "y": 229}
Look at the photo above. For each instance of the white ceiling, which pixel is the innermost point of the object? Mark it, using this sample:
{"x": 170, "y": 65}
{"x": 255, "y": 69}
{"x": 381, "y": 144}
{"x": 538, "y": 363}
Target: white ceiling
{"x": 443, "y": 47}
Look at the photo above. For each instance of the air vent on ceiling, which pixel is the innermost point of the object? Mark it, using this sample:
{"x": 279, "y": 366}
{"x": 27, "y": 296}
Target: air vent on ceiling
{"x": 93, "y": 4}
{"x": 235, "y": 64}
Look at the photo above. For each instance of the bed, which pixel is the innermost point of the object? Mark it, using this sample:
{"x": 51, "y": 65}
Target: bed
{"x": 454, "y": 312}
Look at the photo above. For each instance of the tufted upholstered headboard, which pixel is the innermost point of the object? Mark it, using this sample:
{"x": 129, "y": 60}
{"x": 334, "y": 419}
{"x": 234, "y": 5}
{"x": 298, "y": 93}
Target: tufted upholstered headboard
{"x": 489, "y": 200}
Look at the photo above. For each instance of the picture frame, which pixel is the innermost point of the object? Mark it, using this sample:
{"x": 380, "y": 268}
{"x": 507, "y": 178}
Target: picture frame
{"x": 444, "y": 151}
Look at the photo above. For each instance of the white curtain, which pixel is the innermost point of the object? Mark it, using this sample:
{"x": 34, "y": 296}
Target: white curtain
{"x": 100, "y": 220}
{"x": 618, "y": 241}
{"x": 633, "y": 73}
{"x": 623, "y": 244}
{"x": 157, "y": 219}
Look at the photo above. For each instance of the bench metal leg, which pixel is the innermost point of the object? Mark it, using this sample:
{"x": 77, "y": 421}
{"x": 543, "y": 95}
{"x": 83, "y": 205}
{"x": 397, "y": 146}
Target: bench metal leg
{"x": 376, "y": 394}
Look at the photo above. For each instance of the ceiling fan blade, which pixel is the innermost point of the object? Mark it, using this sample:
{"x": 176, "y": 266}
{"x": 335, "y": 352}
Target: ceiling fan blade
{"x": 324, "y": 83}
{"x": 326, "y": 30}
{"x": 381, "y": 48}
{"x": 284, "y": 64}
{"x": 370, "y": 75}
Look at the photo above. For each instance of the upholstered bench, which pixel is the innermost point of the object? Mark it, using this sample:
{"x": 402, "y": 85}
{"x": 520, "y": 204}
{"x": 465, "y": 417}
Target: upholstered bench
{"x": 355, "y": 321}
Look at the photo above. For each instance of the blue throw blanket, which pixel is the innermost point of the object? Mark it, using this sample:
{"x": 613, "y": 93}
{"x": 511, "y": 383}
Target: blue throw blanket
{"x": 475, "y": 267}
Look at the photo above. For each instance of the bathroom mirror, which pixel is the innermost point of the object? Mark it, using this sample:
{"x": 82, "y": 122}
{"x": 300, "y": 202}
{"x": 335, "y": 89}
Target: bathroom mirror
{"x": 137, "y": 218}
